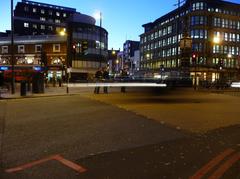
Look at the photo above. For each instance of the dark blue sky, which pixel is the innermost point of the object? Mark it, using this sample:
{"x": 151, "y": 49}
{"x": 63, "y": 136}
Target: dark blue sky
{"x": 123, "y": 19}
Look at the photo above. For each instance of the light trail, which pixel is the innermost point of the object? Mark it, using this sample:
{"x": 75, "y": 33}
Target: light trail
{"x": 82, "y": 85}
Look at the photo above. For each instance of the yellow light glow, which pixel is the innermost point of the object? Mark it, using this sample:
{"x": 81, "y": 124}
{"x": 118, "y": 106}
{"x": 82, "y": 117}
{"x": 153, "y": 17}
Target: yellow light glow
{"x": 62, "y": 33}
{"x": 113, "y": 52}
{"x": 117, "y": 61}
{"x": 229, "y": 55}
{"x": 216, "y": 40}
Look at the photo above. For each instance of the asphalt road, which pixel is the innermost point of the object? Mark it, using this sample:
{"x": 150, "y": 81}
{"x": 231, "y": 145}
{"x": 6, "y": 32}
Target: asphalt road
{"x": 75, "y": 137}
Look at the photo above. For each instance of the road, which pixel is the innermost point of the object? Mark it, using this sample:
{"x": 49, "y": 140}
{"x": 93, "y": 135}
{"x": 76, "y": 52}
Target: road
{"x": 57, "y": 137}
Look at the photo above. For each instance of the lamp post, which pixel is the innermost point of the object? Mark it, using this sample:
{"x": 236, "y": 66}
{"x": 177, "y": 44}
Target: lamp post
{"x": 216, "y": 41}
{"x": 64, "y": 33}
{"x": 12, "y": 49}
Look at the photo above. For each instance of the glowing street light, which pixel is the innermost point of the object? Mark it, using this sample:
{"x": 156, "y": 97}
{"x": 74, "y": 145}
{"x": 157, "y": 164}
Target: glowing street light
{"x": 12, "y": 49}
{"x": 229, "y": 55}
{"x": 62, "y": 33}
{"x": 216, "y": 40}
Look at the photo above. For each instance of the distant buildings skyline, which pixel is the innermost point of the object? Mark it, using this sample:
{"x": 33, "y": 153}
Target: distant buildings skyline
{"x": 123, "y": 19}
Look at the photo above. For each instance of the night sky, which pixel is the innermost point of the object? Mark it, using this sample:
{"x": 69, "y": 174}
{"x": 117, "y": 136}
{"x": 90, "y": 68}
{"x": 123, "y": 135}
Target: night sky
{"x": 123, "y": 19}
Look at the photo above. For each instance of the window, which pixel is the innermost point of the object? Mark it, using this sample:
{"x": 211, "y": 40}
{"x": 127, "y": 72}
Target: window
{"x": 50, "y": 13}
{"x": 64, "y": 15}
{"x": 26, "y": 9}
{"x": 57, "y": 21}
{"x": 198, "y": 6}
{"x": 217, "y": 22}
{"x": 4, "y": 49}
{"x": 38, "y": 48}
{"x": 198, "y": 20}
{"x": 42, "y": 11}
{"x": 42, "y": 19}
{"x": 169, "y": 29}
{"x": 58, "y": 14}
{"x": 56, "y": 47}
{"x": 21, "y": 49}
{"x": 42, "y": 27}
{"x": 225, "y": 36}
{"x": 34, "y": 10}
{"x": 50, "y": 28}
{"x": 35, "y": 26}
{"x": 26, "y": 24}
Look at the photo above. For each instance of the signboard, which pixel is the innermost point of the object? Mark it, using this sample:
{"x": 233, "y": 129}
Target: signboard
{"x": 3, "y": 68}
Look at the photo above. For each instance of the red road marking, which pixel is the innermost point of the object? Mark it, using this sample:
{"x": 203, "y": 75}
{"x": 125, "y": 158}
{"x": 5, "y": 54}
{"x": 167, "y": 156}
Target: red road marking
{"x": 206, "y": 168}
{"x": 59, "y": 158}
{"x": 224, "y": 167}
{"x": 70, "y": 164}
{"x": 29, "y": 165}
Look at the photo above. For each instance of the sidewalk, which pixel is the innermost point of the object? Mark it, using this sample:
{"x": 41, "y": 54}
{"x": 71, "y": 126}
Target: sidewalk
{"x": 48, "y": 91}
{"x": 62, "y": 91}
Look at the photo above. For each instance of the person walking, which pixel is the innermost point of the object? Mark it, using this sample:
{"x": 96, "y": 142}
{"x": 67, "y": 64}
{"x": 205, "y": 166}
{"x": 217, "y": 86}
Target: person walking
{"x": 124, "y": 76}
{"x": 106, "y": 79}
{"x": 98, "y": 78}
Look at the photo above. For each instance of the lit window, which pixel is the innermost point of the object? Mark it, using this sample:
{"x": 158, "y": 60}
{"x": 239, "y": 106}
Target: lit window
{"x": 26, "y": 8}
{"x": 26, "y": 24}
{"x": 43, "y": 27}
{"x": 4, "y": 49}
{"x": 56, "y": 47}
{"x": 38, "y": 48}
{"x": 50, "y": 28}
{"x": 21, "y": 49}
{"x": 64, "y": 15}
{"x": 58, "y": 14}
{"x": 42, "y": 19}
{"x": 34, "y": 10}
{"x": 57, "y": 21}
{"x": 42, "y": 11}
{"x": 35, "y": 26}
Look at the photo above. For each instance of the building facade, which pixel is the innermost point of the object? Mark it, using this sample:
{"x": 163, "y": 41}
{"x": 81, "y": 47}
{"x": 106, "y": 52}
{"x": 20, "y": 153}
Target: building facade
{"x": 113, "y": 61}
{"x": 214, "y": 28}
{"x": 83, "y": 45}
{"x": 28, "y": 51}
{"x": 129, "y": 48}
{"x": 40, "y": 18}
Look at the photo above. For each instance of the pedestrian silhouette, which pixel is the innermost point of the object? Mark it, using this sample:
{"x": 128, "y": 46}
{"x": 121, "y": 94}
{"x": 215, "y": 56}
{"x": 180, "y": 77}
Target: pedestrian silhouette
{"x": 98, "y": 78}
{"x": 105, "y": 79}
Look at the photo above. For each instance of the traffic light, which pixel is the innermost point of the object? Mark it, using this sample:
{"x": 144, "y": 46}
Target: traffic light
{"x": 194, "y": 58}
{"x": 84, "y": 47}
{"x": 74, "y": 49}
{"x": 220, "y": 64}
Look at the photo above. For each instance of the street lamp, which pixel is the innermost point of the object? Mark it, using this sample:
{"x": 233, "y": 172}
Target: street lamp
{"x": 12, "y": 49}
{"x": 117, "y": 63}
{"x": 64, "y": 33}
{"x": 216, "y": 40}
